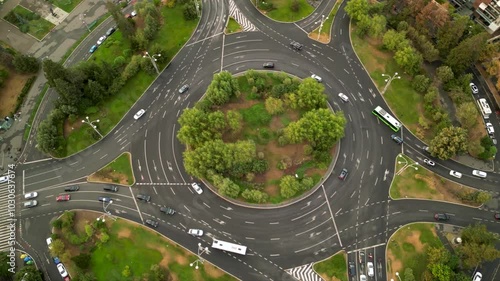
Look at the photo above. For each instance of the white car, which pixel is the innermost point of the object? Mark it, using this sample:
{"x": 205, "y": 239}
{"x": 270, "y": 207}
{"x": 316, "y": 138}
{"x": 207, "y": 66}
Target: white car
{"x": 477, "y": 277}
{"x": 493, "y": 139}
{"x": 362, "y": 277}
{"x": 101, "y": 40}
{"x": 480, "y": 174}
{"x": 197, "y": 188}
{"x": 369, "y": 268}
{"x": 429, "y": 162}
{"x": 317, "y": 78}
{"x": 134, "y": 13}
{"x": 455, "y": 174}
{"x": 139, "y": 114}
{"x": 195, "y": 232}
{"x": 31, "y": 195}
{"x": 4, "y": 179}
{"x": 489, "y": 128}
{"x": 343, "y": 97}
{"x": 474, "y": 88}
{"x": 62, "y": 270}
{"x": 49, "y": 242}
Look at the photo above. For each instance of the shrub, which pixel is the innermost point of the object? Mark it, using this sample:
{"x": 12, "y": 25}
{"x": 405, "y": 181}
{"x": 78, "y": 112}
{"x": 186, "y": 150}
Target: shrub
{"x": 255, "y": 196}
{"x": 24, "y": 92}
{"x": 82, "y": 260}
{"x": 58, "y": 223}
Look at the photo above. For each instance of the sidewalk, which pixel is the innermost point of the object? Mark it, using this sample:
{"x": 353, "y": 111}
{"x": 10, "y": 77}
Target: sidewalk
{"x": 54, "y": 46}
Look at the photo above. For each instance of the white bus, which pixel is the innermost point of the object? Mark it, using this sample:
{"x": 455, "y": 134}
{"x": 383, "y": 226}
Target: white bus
{"x": 484, "y": 107}
{"x": 229, "y": 247}
{"x": 387, "y": 118}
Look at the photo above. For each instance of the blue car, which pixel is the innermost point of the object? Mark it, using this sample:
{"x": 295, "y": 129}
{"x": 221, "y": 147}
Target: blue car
{"x": 92, "y": 49}
{"x": 56, "y": 260}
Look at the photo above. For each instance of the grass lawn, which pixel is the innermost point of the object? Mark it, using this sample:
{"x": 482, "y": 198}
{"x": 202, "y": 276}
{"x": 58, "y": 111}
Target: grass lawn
{"x": 123, "y": 249}
{"x": 118, "y": 171}
{"x": 172, "y": 36}
{"x": 282, "y": 10}
{"x": 407, "y": 249}
{"x": 66, "y": 5}
{"x": 36, "y": 26}
{"x": 114, "y": 46}
{"x": 405, "y": 102}
{"x": 334, "y": 267}
{"x": 232, "y": 26}
{"x": 327, "y": 25}
{"x": 410, "y": 182}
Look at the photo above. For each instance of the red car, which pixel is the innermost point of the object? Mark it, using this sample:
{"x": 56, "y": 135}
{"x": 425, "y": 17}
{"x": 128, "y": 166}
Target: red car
{"x": 64, "y": 197}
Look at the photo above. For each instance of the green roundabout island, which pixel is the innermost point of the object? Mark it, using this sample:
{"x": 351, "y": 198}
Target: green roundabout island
{"x": 260, "y": 137}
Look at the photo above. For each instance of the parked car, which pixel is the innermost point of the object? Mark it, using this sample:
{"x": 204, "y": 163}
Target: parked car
{"x": 92, "y": 49}
{"x": 56, "y": 260}
{"x": 49, "y": 242}
{"x": 110, "y": 31}
{"x": 197, "y": 188}
{"x": 101, "y": 40}
{"x": 397, "y": 139}
{"x": 343, "y": 174}
{"x": 144, "y": 197}
{"x": 184, "y": 89}
{"x": 62, "y": 270}
{"x": 455, "y": 174}
{"x": 352, "y": 269}
{"x": 139, "y": 114}
{"x": 152, "y": 223}
{"x": 104, "y": 199}
{"x": 362, "y": 277}
{"x": 63, "y": 197}
{"x": 31, "y": 195}
{"x": 480, "y": 174}
{"x": 195, "y": 232}
{"x": 441, "y": 217}
{"x": 489, "y": 128}
{"x": 343, "y": 97}
{"x": 167, "y": 210}
{"x": 317, "y": 78}
{"x": 474, "y": 88}
{"x": 72, "y": 188}
{"x": 268, "y": 65}
{"x": 477, "y": 277}
{"x": 134, "y": 13}
{"x": 30, "y": 204}
{"x": 429, "y": 162}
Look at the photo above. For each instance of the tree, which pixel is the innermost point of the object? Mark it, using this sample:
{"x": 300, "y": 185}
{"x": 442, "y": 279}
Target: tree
{"x": 222, "y": 88}
{"x": 363, "y": 25}
{"x": 310, "y": 94}
{"x": 229, "y": 188}
{"x": 5, "y": 274}
{"x": 394, "y": 40}
{"x": 57, "y": 248}
{"x": 378, "y": 26}
{"x": 289, "y": 186}
{"x": 478, "y": 246}
{"x": 158, "y": 273}
{"x": 28, "y": 273}
{"x": 274, "y": 106}
{"x": 441, "y": 272}
{"x": 466, "y": 114}
{"x": 152, "y": 25}
{"x": 53, "y": 71}
{"x": 466, "y": 53}
{"x": 409, "y": 59}
{"x": 82, "y": 260}
{"x": 320, "y": 127}
{"x": 408, "y": 275}
{"x": 449, "y": 142}
{"x": 190, "y": 12}
{"x": 355, "y": 9}
{"x": 432, "y": 17}
{"x": 125, "y": 25}
{"x": 421, "y": 83}
{"x": 448, "y": 36}
{"x": 254, "y": 195}
{"x": 444, "y": 73}
{"x": 197, "y": 126}
{"x": 26, "y": 64}
{"x": 234, "y": 119}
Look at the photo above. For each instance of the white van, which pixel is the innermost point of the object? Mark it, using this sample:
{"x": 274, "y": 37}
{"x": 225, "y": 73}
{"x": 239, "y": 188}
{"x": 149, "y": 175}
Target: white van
{"x": 480, "y": 174}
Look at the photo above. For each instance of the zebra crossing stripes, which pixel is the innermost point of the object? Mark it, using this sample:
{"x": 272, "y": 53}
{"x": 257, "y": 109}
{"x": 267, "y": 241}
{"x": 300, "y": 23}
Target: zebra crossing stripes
{"x": 304, "y": 273}
{"x": 7, "y": 221}
{"x": 238, "y": 16}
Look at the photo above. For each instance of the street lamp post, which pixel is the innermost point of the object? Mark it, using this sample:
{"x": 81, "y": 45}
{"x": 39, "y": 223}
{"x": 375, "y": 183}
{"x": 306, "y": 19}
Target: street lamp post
{"x": 323, "y": 19}
{"x": 153, "y": 60}
{"x": 91, "y": 123}
{"x": 84, "y": 22}
{"x": 389, "y": 80}
{"x": 201, "y": 250}
{"x": 106, "y": 212}
{"x": 406, "y": 165}
{"x": 397, "y": 274}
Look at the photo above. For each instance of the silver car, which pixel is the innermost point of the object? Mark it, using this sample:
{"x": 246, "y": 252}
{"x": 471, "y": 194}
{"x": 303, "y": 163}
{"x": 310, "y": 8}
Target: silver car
{"x": 195, "y": 232}
{"x": 31, "y": 195}
{"x": 197, "y": 188}
{"x": 30, "y": 204}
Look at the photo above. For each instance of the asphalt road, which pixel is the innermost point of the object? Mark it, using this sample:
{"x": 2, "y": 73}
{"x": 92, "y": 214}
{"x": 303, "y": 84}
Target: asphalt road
{"x": 355, "y": 215}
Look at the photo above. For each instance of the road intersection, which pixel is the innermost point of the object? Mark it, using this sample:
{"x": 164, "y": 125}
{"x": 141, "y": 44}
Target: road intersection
{"x": 355, "y": 215}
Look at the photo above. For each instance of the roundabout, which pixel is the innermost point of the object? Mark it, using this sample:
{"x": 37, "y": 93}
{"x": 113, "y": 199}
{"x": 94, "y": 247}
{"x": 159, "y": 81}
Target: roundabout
{"x": 355, "y": 214}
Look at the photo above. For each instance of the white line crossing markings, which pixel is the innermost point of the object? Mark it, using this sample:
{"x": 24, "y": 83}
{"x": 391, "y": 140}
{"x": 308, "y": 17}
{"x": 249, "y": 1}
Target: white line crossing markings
{"x": 235, "y": 13}
{"x": 304, "y": 273}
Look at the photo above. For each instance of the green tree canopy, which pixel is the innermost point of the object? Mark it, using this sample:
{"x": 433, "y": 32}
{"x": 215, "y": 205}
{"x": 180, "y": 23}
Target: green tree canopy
{"x": 449, "y": 142}
{"x": 310, "y": 94}
{"x": 356, "y": 9}
{"x": 478, "y": 245}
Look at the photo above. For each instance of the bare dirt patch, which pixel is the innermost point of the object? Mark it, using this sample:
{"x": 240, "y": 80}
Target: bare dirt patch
{"x": 124, "y": 233}
{"x": 213, "y": 271}
{"x": 323, "y": 38}
{"x": 69, "y": 127}
{"x": 395, "y": 265}
{"x": 10, "y": 90}
{"x": 108, "y": 176}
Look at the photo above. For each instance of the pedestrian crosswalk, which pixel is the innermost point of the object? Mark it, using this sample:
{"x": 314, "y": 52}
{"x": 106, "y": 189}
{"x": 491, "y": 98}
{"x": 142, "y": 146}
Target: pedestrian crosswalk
{"x": 7, "y": 216}
{"x": 237, "y": 15}
{"x": 304, "y": 273}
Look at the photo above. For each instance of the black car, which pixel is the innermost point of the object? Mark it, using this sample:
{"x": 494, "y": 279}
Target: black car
{"x": 152, "y": 223}
{"x": 352, "y": 269}
{"x": 104, "y": 199}
{"x": 343, "y": 174}
{"x": 72, "y": 188}
{"x": 167, "y": 210}
{"x": 441, "y": 217}
{"x": 111, "y": 188}
{"x": 144, "y": 197}
{"x": 296, "y": 45}
{"x": 110, "y": 31}
{"x": 268, "y": 65}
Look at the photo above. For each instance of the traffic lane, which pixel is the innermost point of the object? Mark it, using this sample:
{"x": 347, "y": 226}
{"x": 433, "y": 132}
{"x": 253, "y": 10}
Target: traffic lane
{"x": 380, "y": 262}
{"x": 370, "y": 221}
{"x": 320, "y": 13}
